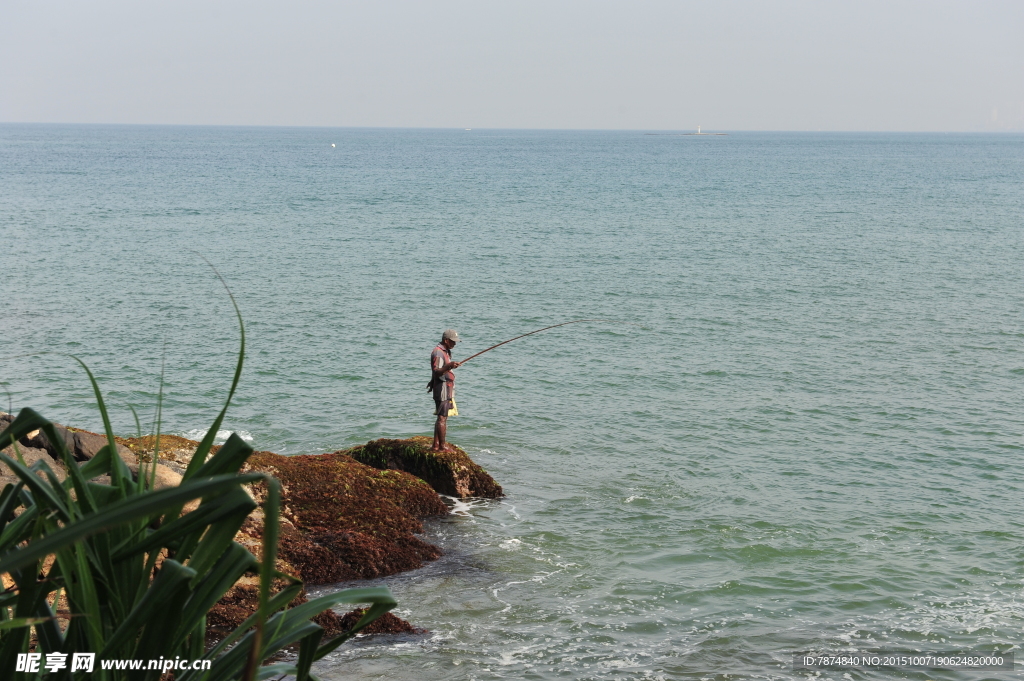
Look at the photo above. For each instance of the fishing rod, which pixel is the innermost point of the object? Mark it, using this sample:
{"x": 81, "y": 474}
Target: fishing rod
{"x": 575, "y": 321}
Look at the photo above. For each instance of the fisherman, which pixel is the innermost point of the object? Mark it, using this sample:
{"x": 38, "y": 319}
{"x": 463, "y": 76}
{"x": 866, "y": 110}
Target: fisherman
{"x": 442, "y": 382}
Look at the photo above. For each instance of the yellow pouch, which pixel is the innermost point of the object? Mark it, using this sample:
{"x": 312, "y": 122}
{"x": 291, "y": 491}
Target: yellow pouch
{"x": 454, "y": 411}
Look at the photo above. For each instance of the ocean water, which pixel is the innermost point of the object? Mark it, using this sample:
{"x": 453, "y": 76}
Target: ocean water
{"x": 813, "y": 444}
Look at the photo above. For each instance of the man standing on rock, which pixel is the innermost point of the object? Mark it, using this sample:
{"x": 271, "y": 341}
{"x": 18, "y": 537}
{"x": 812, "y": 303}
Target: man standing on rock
{"x": 442, "y": 382}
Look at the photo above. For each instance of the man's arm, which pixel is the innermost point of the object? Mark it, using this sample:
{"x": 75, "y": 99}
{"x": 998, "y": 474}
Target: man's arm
{"x": 446, "y": 368}
{"x": 440, "y": 367}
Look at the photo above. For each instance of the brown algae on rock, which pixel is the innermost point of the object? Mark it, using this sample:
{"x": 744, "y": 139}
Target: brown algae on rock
{"x": 351, "y": 521}
{"x": 346, "y": 515}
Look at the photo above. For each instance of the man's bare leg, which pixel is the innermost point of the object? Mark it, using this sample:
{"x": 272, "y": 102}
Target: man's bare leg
{"x": 440, "y": 432}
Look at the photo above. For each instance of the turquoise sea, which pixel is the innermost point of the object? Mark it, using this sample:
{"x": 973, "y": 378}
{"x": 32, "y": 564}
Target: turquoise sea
{"x": 814, "y": 443}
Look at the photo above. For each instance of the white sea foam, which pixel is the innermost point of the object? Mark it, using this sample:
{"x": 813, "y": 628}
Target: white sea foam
{"x": 512, "y": 511}
{"x": 221, "y": 437}
{"x": 462, "y": 507}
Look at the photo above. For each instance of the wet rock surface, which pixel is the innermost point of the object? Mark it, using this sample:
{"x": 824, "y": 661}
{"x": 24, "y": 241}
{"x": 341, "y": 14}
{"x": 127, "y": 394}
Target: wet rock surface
{"x": 346, "y": 515}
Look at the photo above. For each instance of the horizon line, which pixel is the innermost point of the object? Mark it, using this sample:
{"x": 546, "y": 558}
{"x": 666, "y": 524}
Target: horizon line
{"x": 506, "y": 129}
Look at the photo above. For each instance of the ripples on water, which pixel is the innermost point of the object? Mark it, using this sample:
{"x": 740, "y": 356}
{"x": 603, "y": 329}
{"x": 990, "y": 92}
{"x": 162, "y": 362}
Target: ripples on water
{"x": 814, "y": 446}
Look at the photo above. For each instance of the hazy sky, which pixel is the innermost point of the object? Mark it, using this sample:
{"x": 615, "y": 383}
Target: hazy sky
{"x": 638, "y": 65}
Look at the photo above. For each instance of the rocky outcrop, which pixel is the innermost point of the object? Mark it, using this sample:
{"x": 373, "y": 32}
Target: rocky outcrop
{"x": 341, "y": 518}
{"x": 347, "y": 515}
{"x": 29, "y": 456}
{"x": 452, "y": 473}
{"x": 351, "y": 514}
{"x": 347, "y": 520}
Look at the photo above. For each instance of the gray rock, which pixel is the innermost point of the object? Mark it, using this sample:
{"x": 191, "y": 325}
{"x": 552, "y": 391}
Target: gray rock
{"x": 88, "y": 445}
{"x": 29, "y": 454}
{"x": 32, "y": 455}
{"x": 39, "y": 440}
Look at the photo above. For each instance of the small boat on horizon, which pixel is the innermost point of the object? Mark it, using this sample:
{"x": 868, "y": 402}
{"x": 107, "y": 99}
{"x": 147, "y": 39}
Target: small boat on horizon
{"x": 703, "y": 134}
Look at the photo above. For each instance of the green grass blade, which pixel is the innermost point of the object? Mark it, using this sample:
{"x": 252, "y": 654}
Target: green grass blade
{"x": 123, "y": 511}
{"x": 207, "y": 442}
{"x": 280, "y": 600}
{"x": 271, "y": 528}
{"x": 99, "y": 464}
{"x": 41, "y": 491}
{"x": 307, "y": 654}
{"x": 210, "y": 512}
{"x": 231, "y": 664}
{"x": 9, "y": 500}
{"x": 215, "y": 542}
{"x": 20, "y": 529}
{"x": 138, "y": 423}
{"x": 286, "y": 636}
{"x": 21, "y": 622}
{"x": 170, "y": 582}
{"x": 275, "y": 671}
{"x": 87, "y": 601}
{"x": 116, "y": 472}
{"x": 228, "y": 459}
{"x": 271, "y": 516}
{"x": 14, "y": 641}
{"x": 197, "y": 640}
{"x": 214, "y": 584}
{"x": 381, "y": 602}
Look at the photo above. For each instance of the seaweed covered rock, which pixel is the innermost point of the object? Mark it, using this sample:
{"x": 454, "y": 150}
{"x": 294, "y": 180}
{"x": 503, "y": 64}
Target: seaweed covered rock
{"x": 243, "y": 598}
{"x": 385, "y": 624}
{"x": 347, "y": 520}
{"x": 344, "y": 519}
{"x": 452, "y": 473}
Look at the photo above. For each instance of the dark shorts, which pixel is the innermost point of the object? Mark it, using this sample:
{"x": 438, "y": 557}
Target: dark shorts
{"x": 442, "y": 408}
{"x": 442, "y": 398}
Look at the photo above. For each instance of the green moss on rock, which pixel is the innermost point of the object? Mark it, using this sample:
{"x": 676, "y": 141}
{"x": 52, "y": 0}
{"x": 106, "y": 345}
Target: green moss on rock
{"x": 452, "y": 473}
